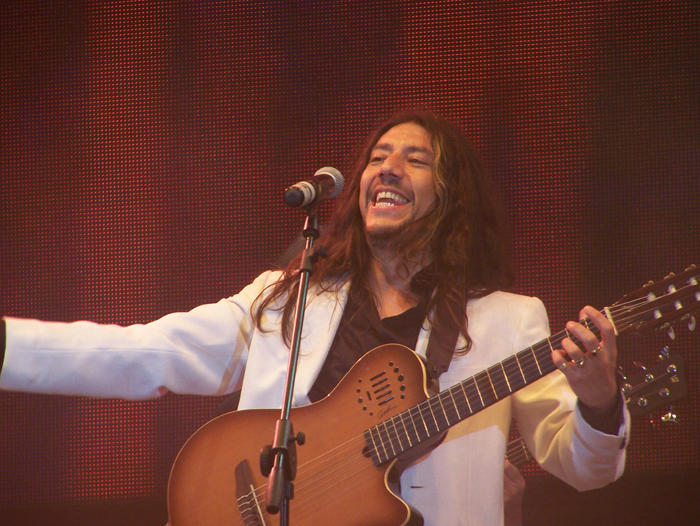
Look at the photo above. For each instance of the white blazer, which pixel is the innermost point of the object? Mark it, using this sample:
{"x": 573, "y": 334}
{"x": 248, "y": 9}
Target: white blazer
{"x": 215, "y": 349}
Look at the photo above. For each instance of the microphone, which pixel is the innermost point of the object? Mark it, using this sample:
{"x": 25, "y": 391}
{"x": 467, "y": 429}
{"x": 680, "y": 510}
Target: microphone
{"x": 327, "y": 183}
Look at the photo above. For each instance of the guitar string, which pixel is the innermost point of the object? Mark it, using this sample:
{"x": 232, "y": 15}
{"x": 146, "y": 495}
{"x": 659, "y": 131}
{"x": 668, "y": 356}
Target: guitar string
{"x": 305, "y": 488}
{"x": 330, "y": 473}
{"x": 499, "y": 383}
{"x": 520, "y": 455}
{"x": 451, "y": 413}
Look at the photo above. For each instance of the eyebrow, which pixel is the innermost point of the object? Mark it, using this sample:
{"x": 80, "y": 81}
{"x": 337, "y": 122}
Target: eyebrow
{"x": 409, "y": 149}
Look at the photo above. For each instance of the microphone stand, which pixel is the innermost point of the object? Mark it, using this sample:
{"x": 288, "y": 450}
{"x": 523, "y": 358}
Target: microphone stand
{"x": 280, "y": 488}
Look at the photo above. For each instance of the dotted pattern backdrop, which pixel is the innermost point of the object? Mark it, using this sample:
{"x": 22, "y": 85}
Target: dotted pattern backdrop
{"x": 146, "y": 146}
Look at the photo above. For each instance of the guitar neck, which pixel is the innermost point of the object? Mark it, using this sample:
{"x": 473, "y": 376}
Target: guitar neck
{"x": 655, "y": 306}
{"x": 435, "y": 415}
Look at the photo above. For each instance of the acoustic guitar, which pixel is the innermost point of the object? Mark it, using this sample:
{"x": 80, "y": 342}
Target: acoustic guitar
{"x": 378, "y": 415}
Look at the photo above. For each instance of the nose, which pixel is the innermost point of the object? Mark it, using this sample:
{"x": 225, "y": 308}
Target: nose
{"x": 392, "y": 167}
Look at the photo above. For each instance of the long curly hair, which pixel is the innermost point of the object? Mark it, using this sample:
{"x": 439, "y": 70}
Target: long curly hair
{"x": 464, "y": 231}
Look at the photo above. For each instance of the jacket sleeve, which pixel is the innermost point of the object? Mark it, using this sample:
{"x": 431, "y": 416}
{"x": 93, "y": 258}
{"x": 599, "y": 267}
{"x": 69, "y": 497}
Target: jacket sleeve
{"x": 559, "y": 438}
{"x": 203, "y": 351}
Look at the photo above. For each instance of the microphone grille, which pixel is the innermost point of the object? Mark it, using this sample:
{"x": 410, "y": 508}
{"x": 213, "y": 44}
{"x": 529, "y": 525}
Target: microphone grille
{"x": 337, "y": 177}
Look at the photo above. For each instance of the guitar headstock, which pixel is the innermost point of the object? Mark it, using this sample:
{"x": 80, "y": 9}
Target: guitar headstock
{"x": 659, "y": 305}
{"x": 659, "y": 385}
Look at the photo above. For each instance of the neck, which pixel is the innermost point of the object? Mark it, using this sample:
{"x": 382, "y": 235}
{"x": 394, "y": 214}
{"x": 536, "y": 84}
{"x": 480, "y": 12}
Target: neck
{"x": 390, "y": 281}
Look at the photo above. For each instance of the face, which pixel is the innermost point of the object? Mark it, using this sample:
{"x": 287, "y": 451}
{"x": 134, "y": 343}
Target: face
{"x": 396, "y": 187}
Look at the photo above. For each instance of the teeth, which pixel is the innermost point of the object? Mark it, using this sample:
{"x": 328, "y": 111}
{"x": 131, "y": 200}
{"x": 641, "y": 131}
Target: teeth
{"x": 392, "y": 197}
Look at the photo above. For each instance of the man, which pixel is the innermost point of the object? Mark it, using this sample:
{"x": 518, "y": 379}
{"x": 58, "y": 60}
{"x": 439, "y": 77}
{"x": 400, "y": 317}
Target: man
{"x": 416, "y": 255}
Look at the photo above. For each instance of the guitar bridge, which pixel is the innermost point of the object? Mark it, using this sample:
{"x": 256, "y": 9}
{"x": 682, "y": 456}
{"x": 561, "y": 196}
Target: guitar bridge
{"x": 248, "y": 502}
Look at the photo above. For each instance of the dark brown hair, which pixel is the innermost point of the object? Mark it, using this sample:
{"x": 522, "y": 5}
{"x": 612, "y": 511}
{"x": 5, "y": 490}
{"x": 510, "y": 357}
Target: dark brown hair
{"x": 464, "y": 231}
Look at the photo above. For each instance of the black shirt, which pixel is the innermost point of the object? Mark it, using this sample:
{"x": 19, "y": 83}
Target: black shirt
{"x": 361, "y": 330}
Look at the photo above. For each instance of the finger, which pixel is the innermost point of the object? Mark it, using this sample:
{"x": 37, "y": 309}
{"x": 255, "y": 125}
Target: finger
{"x": 559, "y": 360}
{"x": 607, "y": 331}
{"x": 513, "y": 474}
{"x": 578, "y": 331}
{"x": 575, "y": 353}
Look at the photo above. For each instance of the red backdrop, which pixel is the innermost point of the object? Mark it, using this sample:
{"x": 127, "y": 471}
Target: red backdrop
{"x": 146, "y": 145}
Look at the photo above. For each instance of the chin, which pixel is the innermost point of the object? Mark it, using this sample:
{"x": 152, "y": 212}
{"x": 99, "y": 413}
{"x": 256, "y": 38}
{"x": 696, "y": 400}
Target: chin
{"x": 384, "y": 232}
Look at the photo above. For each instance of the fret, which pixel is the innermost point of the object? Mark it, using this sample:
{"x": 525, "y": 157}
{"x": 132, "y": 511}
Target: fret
{"x": 530, "y": 371}
{"x": 483, "y": 383}
{"x": 608, "y": 314}
{"x": 546, "y": 356}
{"x": 478, "y": 391}
{"x": 536, "y": 362}
{"x": 513, "y": 373}
{"x": 374, "y": 442}
{"x": 517, "y": 360}
{"x": 499, "y": 382}
{"x": 506, "y": 377}
{"x": 559, "y": 339}
{"x": 386, "y": 439}
{"x": 443, "y": 411}
{"x": 541, "y": 353}
{"x": 460, "y": 401}
{"x": 473, "y": 394}
{"x": 466, "y": 398}
{"x": 454, "y": 403}
{"x": 547, "y": 364}
{"x": 439, "y": 413}
{"x": 403, "y": 425}
{"x": 450, "y": 406}
{"x": 432, "y": 427}
{"x": 493, "y": 387}
{"x": 397, "y": 434}
{"x": 422, "y": 429}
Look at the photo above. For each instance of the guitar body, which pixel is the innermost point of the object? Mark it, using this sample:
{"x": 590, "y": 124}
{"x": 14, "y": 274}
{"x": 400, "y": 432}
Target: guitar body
{"x": 336, "y": 483}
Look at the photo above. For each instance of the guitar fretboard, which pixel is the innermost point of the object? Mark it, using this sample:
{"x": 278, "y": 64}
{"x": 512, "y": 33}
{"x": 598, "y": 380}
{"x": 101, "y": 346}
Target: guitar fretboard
{"x": 435, "y": 415}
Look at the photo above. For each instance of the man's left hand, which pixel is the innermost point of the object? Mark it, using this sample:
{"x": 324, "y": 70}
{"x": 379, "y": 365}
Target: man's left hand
{"x": 591, "y": 370}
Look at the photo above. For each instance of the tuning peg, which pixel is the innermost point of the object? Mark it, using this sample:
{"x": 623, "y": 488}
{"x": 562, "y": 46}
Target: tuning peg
{"x": 691, "y": 321}
{"x": 621, "y": 372}
{"x": 639, "y": 366}
{"x": 665, "y": 353}
{"x": 670, "y": 417}
{"x": 669, "y": 330}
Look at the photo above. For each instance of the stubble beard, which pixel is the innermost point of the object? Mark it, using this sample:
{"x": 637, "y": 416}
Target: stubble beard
{"x": 390, "y": 237}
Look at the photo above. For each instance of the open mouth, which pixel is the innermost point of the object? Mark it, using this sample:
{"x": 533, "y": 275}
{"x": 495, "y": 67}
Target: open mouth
{"x": 385, "y": 198}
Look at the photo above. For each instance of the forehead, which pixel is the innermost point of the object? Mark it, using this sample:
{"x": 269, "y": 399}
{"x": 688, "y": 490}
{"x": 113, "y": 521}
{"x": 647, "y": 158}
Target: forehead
{"x": 407, "y": 134}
